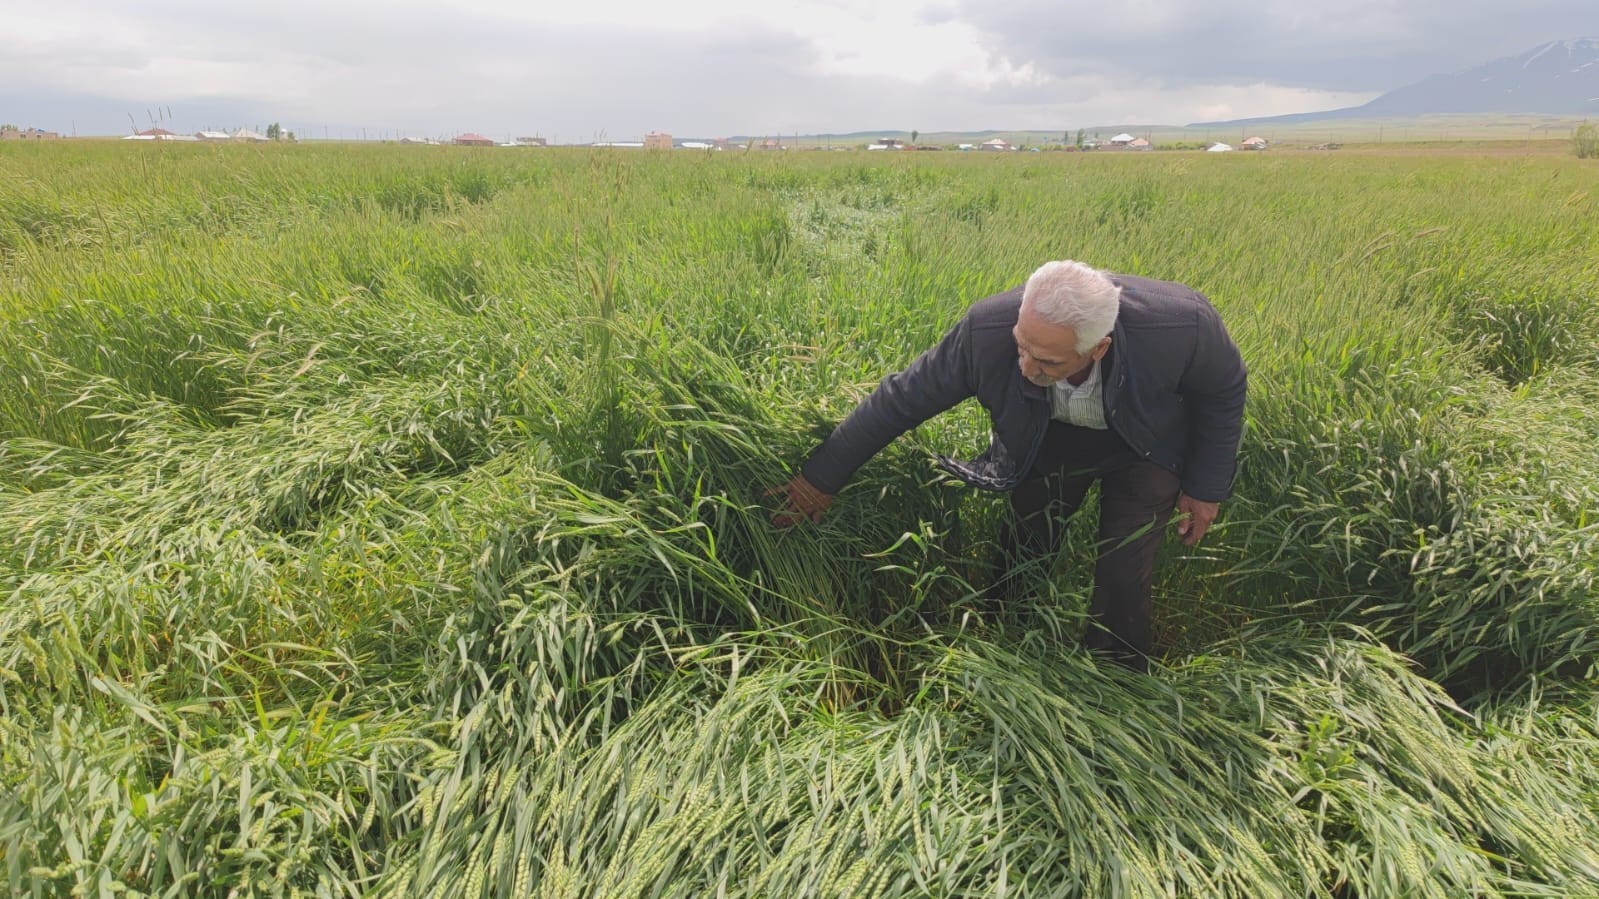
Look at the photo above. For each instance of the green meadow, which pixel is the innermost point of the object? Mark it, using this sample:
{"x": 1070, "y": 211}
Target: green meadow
{"x": 391, "y": 521}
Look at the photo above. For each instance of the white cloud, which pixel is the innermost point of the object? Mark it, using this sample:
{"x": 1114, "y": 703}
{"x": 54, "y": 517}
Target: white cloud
{"x": 901, "y": 39}
{"x": 1058, "y": 104}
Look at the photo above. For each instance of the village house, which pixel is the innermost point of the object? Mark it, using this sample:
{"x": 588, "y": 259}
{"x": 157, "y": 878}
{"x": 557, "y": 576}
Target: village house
{"x": 657, "y": 140}
{"x": 1253, "y": 143}
{"x": 1121, "y": 141}
{"x": 471, "y": 139}
{"x": 996, "y": 144}
{"x": 13, "y": 133}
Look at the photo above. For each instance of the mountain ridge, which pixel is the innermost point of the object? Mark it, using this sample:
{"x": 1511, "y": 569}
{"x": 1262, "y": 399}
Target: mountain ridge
{"x": 1553, "y": 78}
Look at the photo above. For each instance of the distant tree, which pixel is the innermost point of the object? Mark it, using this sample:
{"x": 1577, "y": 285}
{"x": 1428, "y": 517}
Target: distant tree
{"x": 274, "y": 131}
{"x": 914, "y": 132}
{"x": 9, "y": 128}
{"x": 1585, "y": 140}
{"x": 1080, "y": 137}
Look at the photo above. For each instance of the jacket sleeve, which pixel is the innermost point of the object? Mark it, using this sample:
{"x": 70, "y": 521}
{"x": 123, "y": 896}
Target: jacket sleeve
{"x": 938, "y": 380}
{"x": 1214, "y": 386}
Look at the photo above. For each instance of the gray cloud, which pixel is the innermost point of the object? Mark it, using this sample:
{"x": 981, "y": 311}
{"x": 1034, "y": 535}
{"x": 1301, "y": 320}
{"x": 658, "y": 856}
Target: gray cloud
{"x": 420, "y": 72}
{"x": 1344, "y": 45}
{"x": 404, "y": 68}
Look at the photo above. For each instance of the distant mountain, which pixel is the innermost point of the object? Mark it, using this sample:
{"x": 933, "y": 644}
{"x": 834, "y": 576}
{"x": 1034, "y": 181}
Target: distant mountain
{"x": 1557, "y": 78}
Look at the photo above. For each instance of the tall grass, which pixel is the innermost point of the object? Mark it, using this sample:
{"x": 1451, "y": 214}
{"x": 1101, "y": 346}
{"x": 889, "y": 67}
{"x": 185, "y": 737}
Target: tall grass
{"x": 389, "y": 521}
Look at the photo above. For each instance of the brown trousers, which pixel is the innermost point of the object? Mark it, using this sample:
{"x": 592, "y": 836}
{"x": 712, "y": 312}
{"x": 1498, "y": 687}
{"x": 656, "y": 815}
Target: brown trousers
{"x": 1136, "y": 500}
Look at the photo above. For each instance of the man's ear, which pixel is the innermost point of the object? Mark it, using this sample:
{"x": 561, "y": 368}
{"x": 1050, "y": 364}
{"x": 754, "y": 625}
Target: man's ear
{"x": 1101, "y": 348}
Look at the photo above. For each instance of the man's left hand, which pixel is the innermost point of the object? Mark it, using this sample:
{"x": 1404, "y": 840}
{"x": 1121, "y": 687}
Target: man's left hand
{"x": 1196, "y": 518}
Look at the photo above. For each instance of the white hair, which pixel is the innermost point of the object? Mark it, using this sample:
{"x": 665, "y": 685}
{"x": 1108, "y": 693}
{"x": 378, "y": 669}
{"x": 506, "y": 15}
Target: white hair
{"x": 1076, "y": 296}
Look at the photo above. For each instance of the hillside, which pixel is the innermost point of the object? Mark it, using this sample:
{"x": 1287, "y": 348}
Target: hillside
{"x": 1555, "y": 78}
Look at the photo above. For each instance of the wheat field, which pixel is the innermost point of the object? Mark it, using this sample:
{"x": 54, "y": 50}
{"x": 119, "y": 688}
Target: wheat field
{"x": 390, "y": 521}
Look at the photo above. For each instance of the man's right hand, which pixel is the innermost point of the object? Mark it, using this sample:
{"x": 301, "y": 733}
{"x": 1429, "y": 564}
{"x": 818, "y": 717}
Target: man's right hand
{"x": 801, "y": 500}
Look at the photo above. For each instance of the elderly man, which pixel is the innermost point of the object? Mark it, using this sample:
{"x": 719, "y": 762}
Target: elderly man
{"x": 1087, "y": 376}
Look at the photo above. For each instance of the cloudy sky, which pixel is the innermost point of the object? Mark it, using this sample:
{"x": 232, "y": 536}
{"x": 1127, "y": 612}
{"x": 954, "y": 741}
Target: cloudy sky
{"x": 578, "y": 70}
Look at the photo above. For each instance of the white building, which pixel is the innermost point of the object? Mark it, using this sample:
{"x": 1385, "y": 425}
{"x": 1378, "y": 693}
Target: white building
{"x": 158, "y": 134}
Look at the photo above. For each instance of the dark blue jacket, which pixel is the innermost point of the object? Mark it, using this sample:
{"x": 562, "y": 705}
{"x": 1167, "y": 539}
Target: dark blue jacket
{"x": 1173, "y": 386}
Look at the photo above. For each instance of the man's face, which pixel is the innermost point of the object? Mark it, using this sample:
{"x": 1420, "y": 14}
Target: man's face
{"x": 1047, "y": 352}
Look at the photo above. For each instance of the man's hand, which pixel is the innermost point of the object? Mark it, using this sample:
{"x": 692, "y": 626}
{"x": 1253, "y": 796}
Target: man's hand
{"x": 1197, "y": 516}
{"x": 801, "y": 500}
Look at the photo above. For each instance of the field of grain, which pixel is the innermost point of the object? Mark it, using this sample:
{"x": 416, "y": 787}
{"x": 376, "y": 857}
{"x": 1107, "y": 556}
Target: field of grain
{"x": 390, "y": 521}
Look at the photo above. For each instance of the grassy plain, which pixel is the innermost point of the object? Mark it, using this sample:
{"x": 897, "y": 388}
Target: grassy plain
{"x": 389, "y": 521}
